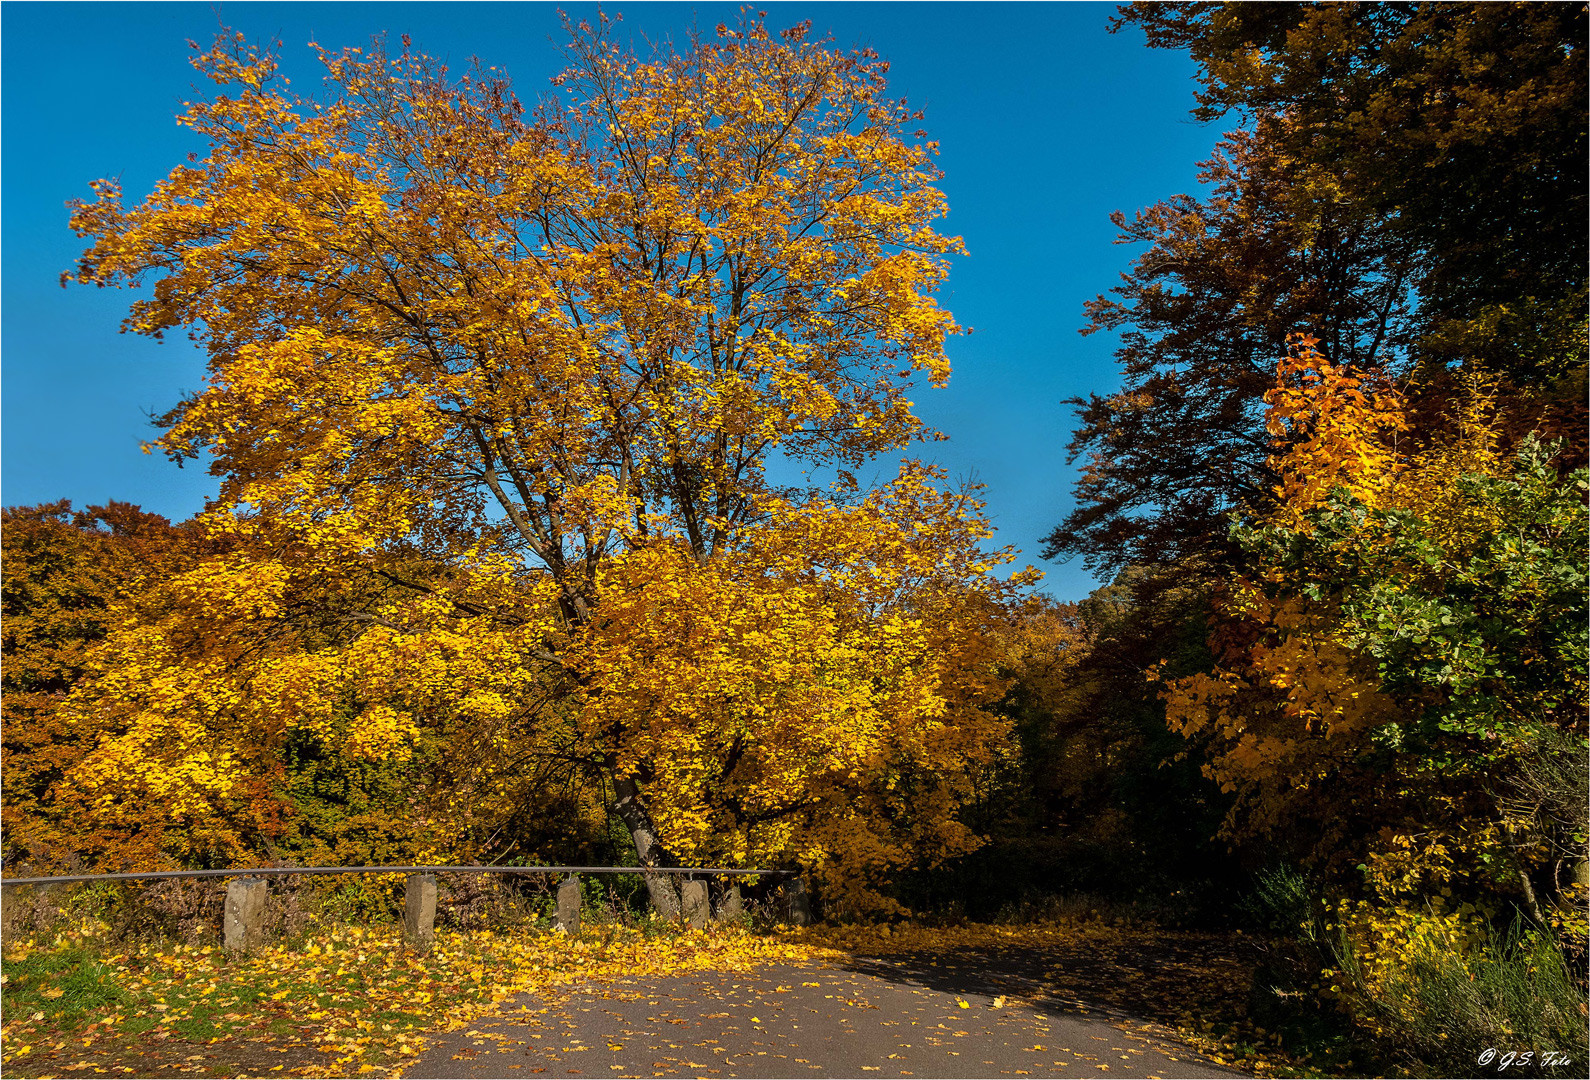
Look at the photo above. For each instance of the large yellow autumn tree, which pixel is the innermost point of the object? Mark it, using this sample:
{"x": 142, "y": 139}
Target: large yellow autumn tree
{"x": 549, "y": 354}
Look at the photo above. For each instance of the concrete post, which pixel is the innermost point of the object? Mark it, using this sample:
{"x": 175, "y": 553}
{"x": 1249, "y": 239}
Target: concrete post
{"x": 419, "y": 909}
{"x": 693, "y": 896}
{"x": 799, "y": 904}
{"x": 569, "y": 905}
{"x": 243, "y": 922}
{"x": 732, "y": 909}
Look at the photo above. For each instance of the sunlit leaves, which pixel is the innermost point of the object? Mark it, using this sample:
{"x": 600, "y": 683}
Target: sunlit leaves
{"x": 493, "y": 392}
{"x": 1336, "y": 427}
{"x": 597, "y": 322}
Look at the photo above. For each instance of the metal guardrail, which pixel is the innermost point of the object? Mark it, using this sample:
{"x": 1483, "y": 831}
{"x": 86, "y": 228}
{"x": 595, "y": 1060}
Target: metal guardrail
{"x": 284, "y": 871}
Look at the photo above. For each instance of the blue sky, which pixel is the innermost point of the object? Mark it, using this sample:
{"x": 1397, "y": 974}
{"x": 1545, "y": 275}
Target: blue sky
{"x": 1046, "y": 121}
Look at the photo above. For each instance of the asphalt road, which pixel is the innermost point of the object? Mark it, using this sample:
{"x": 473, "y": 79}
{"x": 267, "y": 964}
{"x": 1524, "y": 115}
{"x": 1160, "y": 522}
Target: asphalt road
{"x": 888, "y": 1017}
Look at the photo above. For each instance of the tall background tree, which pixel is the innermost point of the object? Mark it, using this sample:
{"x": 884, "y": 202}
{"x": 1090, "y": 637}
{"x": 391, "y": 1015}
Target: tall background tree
{"x": 1202, "y": 316}
{"x": 1409, "y": 189}
{"x": 1461, "y": 125}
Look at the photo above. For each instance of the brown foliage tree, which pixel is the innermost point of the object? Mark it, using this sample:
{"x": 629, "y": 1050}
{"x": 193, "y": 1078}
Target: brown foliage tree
{"x": 1202, "y": 315}
{"x": 1461, "y": 124}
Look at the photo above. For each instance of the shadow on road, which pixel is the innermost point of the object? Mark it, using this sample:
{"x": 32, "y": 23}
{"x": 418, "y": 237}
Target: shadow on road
{"x": 1160, "y": 983}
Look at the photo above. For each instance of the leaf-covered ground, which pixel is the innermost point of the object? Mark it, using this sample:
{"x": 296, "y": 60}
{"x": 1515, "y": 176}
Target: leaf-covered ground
{"x": 361, "y": 1001}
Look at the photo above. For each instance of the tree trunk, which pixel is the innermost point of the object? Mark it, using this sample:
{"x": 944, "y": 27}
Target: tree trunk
{"x": 661, "y": 888}
{"x": 1531, "y": 902}
{"x": 1525, "y": 886}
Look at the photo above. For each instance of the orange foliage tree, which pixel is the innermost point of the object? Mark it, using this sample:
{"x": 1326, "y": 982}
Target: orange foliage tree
{"x": 1338, "y": 427}
{"x": 68, "y": 577}
{"x": 553, "y": 352}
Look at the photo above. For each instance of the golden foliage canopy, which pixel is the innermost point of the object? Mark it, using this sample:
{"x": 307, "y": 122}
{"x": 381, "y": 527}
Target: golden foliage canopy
{"x": 528, "y": 368}
{"x": 554, "y": 333}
